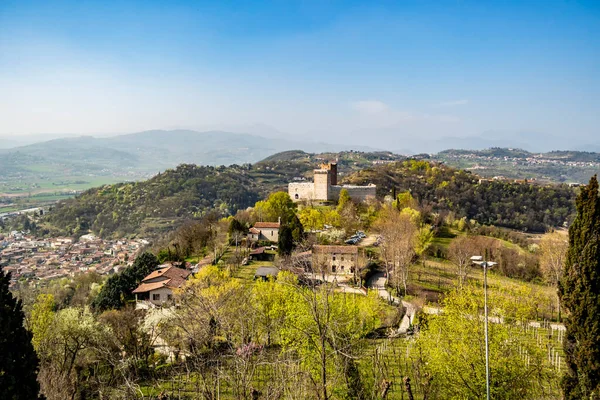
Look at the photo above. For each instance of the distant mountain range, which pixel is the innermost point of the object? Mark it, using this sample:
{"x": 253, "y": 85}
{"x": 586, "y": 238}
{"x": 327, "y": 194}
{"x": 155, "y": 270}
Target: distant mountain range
{"x": 63, "y": 165}
{"x": 152, "y": 151}
{"x": 77, "y": 163}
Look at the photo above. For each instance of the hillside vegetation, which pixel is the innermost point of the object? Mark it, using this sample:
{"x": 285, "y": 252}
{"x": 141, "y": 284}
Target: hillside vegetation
{"x": 188, "y": 192}
{"x": 182, "y": 193}
{"x": 523, "y": 206}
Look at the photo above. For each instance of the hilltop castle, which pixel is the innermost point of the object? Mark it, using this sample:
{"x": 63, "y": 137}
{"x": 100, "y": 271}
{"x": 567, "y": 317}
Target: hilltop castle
{"x": 325, "y": 187}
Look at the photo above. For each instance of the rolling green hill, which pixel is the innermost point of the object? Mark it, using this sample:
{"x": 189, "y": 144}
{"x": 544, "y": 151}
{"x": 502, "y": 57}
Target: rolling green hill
{"x": 165, "y": 201}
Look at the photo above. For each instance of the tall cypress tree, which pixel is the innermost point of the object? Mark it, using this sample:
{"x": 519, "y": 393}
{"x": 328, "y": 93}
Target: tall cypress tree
{"x": 18, "y": 361}
{"x": 579, "y": 291}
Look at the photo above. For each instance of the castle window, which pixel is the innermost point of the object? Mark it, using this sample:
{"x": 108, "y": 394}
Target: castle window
{"x": 296, "y": 196}
{"x": 333, "y": 258}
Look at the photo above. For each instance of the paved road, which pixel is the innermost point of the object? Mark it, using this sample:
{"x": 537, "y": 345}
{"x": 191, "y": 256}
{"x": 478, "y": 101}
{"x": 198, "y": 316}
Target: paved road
{"x": 368, "y": 241}
{"x": 377, "y": 282}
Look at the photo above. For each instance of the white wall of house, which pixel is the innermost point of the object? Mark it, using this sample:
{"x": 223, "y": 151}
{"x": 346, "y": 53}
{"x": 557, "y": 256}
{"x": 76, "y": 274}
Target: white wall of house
{"x": 271, "y": 234}
{"x": 159, "y": 296}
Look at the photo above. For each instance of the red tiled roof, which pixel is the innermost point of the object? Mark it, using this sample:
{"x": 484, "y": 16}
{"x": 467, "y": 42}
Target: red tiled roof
{"x": 146, "y": 287}
{"x": 260, "y": 250}
{"x": 170, "y": 272}
{"x": 266, "y": 225}
{"x": 174, "y": 278}
{"x": 254, "y": 230}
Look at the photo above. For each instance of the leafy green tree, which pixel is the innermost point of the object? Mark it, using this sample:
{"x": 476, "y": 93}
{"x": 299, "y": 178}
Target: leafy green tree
{"x": 268, "y": 298}
{"x": 311, "y": 218}
{"x": 453, "y": 350}
{"x": 343, "y": 200}
{"x": 326, "y": 329}
{"x": 18, "y": 360}
{"x": 424, "y": 239}
{"x": 68, "y": 352}
{"x": 279, "y": 205}
{"x": 405, "y": 200}
{"x": 42, "y": 314}
{"x": 579, "y": 291}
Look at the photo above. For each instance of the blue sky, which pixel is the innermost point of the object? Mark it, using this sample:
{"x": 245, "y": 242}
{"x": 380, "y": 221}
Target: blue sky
{"x": 360, "y": 72}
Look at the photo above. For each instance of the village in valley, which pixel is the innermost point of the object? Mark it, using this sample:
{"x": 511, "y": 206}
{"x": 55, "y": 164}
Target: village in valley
{"x": 36, "y": 260}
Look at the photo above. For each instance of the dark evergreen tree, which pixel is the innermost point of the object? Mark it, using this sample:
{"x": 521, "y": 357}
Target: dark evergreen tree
{"x": 579, "y": 292}
{"x": 297, "y": 229}
{"x": 18, "y": 361}
{"x": 118, "y": 288}
{"x": 236, "y": 226}
{"x": 285, "y": 244}
{"x": 143, "y": 265}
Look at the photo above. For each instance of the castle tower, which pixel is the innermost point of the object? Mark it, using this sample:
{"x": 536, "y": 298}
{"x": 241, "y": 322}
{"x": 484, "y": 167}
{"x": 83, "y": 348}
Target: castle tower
{"x": 322, "y": 181}
{"x": 333, "y": 169}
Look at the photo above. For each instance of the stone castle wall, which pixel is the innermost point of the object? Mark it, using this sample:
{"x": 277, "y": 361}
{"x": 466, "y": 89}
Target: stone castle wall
{"x": 301, "y": 191}
{"x": 358, "y": 194}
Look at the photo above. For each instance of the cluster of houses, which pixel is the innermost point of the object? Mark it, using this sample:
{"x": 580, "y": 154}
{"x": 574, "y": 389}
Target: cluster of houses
{"x": 158, "y": 287}
{"x": 37, "y": 260}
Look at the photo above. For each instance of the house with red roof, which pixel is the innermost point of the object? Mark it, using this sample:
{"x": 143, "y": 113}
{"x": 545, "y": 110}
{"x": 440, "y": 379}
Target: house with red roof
{"x": 157, "y": 288}
{"x": 264, "y": 231}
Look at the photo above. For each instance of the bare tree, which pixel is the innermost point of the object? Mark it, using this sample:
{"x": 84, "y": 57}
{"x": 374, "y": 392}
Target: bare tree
{"x": 553, "y": 252}
{"x": 460, "y": 252}
{"x": 398, "y": 233}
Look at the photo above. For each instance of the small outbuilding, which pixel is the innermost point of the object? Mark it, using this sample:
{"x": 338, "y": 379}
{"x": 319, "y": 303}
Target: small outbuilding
{"x": 265, "y": 273}
{"x": 260, "y": 254}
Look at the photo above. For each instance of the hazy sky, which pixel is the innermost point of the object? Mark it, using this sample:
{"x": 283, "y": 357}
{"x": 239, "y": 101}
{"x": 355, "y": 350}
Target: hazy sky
{"x": 363, "y": 72}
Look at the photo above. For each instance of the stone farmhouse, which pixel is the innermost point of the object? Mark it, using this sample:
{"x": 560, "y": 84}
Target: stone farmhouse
{"x": 264, "y": 231}
{"x": 325, "y": 187}
{"x": 157, "y": 288}
{"x": 340, "y": 260}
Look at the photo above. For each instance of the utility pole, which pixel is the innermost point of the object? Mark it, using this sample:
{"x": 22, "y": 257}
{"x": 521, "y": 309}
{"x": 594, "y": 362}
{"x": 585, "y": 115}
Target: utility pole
{"x": 485, "y": 265}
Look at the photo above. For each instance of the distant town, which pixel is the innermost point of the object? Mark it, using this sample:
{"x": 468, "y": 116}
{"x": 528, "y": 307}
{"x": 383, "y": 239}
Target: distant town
{"x": 33, "y": 259}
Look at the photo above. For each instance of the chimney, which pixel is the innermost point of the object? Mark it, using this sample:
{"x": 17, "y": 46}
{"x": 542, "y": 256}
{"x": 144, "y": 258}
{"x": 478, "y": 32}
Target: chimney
{"x": 279, "y": 220}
